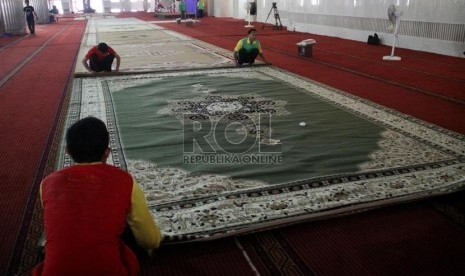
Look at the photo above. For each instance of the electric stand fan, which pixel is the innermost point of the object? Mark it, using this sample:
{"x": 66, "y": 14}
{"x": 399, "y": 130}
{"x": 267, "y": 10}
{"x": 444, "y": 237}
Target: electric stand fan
{"x": 394, "y": 18}
{"x": 248, "y": 5}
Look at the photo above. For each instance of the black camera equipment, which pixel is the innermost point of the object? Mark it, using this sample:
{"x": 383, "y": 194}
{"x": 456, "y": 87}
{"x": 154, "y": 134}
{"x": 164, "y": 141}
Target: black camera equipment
{"x": 277, "y": 19}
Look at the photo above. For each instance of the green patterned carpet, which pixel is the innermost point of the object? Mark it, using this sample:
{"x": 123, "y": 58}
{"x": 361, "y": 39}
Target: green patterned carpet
{"x": 222, "y": 151}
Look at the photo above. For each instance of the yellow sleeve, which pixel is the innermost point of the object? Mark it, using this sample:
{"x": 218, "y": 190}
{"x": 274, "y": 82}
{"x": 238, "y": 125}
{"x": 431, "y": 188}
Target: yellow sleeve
{"x": 238, "y": 46}
{"x": 143, "y": 226}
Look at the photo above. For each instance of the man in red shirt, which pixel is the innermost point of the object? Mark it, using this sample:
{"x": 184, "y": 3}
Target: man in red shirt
{"x": 87, "y": 207}
{"x": 100, "y": 58}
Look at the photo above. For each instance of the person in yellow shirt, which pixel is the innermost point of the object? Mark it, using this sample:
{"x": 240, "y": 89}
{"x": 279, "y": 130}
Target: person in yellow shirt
{"x": 247, "y": 50}
{"x": 87, "y": 207}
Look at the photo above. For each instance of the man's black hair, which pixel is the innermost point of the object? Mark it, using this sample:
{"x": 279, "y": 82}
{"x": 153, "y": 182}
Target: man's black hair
{"x": 251, "y": 30}
{"x": 87, "y": 140}
{"x": 102, "y": 47}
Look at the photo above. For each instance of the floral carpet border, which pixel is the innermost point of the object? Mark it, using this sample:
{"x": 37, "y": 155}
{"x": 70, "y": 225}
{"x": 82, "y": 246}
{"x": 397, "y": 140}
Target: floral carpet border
{"x": 255, "y": 207}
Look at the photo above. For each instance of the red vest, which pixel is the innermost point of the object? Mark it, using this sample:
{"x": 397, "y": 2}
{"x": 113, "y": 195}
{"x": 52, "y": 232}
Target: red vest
{"x": 85, "y": 209}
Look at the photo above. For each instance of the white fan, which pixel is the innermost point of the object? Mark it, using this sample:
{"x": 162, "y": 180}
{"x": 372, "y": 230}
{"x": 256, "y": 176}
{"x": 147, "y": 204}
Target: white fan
{"x": 394, "y": 18}
{"x": 248, "y": 6}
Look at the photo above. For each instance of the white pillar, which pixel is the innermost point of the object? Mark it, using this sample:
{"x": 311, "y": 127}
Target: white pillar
{"x": 14, "y": 20}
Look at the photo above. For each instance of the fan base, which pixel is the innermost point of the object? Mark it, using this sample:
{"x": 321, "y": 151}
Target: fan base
{"x": 391, "y": 58}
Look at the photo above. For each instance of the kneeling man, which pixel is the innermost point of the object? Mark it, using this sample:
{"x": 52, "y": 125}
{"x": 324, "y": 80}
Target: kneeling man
{"x": 247, "y": 50}
{"x": 100, "y": 59}
{"x": 86, "y": 208}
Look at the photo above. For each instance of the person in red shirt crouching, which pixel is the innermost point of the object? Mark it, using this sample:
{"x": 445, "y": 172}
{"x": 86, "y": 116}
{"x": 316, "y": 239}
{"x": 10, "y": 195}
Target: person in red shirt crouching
{"x": 100, "y": 59}
{"x": 87, "y": 207}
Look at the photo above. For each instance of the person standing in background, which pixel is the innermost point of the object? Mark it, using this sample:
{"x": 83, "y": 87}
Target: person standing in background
{"x": 200, "y": 7}
{"x": 30, "y": 14}
{"x": 182, "y": 9}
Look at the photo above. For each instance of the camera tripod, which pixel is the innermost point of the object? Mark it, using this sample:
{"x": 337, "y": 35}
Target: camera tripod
{"x": 277, "y": 19}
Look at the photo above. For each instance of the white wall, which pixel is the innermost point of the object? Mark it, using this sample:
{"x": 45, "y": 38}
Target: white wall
{"x": 436, "y": 26}
{"x": 223, "y": 8}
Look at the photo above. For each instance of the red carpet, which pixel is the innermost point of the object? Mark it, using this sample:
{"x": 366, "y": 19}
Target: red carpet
{"x": 381, "y": 247}
{"x": 30, "y": 103}
{"x": 423, "y": 238}
{"x": 412, "y": 239}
